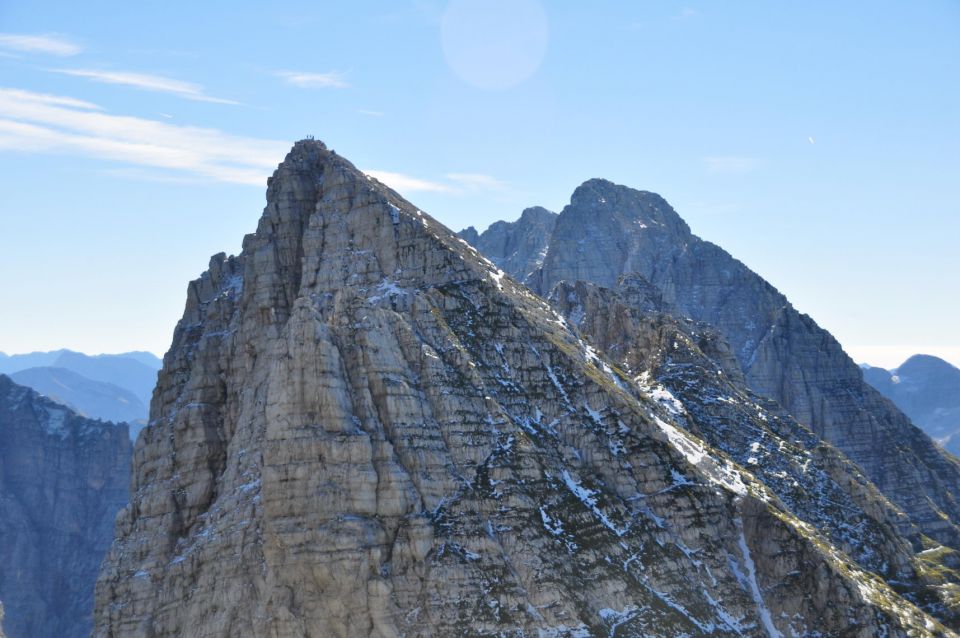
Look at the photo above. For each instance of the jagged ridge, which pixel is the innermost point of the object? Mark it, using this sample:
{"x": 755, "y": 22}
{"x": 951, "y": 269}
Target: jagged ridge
{"x": 609, "y": 230}
{"x": 365, "y": 428}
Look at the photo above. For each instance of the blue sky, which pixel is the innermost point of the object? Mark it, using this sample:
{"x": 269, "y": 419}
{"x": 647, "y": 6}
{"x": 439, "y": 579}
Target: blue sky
{"x": 818, "y": 142}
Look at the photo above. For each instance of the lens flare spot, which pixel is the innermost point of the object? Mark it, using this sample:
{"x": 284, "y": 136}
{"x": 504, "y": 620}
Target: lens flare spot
{"x": 494, "y": 44}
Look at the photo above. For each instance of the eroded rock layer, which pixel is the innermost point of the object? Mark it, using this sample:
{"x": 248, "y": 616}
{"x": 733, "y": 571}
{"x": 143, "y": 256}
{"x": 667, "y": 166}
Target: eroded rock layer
{"x": 690, "y": 370}
{"x": 363, "y": 428}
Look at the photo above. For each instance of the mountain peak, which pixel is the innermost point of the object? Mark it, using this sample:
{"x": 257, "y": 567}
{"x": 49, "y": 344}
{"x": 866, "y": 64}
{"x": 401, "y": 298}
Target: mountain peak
{"x": 309, "y": 143}
{"x": 327, "y": 224}
{"x": 536, "y": 213}
{"x": 602, "y": 191}
{"x": 308, "y": 158}
{"x": 925, "y": 363}
{"x": 606, "y": 230}
{"x": 374, "y": 430}
{"x": 636, "y": 210}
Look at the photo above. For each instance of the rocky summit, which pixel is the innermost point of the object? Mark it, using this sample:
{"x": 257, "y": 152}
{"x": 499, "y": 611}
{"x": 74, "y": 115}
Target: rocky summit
{"x": 63, "y": 478}
{"x": 365, "y": 428}
{"x": 609, "y": 230}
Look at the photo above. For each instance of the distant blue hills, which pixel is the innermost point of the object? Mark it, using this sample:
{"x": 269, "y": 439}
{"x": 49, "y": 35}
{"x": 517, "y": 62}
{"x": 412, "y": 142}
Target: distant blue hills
{"x": 112, "y": 387}
{"x": 927, "y": 389}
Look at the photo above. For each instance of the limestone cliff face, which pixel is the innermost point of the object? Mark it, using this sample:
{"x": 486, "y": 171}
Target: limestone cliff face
{"x": 689, "y": 368}
{"x": 363, "y": 428}
{"x": 63, "y": 478}
{"x": 515, "y": 247}
{"x": 608, "y": 230}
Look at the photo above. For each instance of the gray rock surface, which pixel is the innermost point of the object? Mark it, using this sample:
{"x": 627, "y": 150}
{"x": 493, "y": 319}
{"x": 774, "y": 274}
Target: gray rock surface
{"x": 516, "y": 247}
{"x": 608, "y": 230}
{"x": 63, "y": 478}
{"x": 690, "y": 369}
{"x": 363, "y": 428}
{"x": 93, "y": 399}
{"x": 927, "y": 389}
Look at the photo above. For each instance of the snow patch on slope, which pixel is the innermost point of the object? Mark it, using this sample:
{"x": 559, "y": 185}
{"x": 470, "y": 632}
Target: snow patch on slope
{"x": 698, "y": 455}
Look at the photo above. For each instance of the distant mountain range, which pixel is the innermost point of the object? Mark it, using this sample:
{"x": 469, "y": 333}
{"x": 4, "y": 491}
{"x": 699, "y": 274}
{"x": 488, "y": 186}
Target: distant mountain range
{"x": 927, "y": 389}
{"x": 112, "y": 387}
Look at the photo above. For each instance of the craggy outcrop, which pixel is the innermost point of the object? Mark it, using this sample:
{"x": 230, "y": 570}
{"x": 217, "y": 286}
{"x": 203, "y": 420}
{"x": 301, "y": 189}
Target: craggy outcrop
{"x": 515, "y": 247}
{"x": 609, "y": 230}
{"x": 690, "y": 369}
{"x": 363, "y": 428}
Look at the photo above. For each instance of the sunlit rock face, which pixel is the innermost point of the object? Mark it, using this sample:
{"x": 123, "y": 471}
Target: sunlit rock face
{"x": 609, "y": 230}
{"x": 63, "y": 478}
{"x": 364, "y": 428}
{"x": 689, "y": 368}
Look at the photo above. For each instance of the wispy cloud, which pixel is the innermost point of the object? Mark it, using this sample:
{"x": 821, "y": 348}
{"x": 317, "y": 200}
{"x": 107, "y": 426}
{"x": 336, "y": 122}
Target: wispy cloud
{"x": 730, "y": 164}
{"x": 40, "y": 123}
{"x": 453, "y": 183}
{"x": 303, "y": 80}
{"x": 147, "y": 82}
{"x": 158, "y": 150}
{"x": 408, "y": 184}
{"x": 686, "y": 13}
{"x": 48, "y": 44}
{"x": 50, "y": 100}
{"x": 476, "y": 182}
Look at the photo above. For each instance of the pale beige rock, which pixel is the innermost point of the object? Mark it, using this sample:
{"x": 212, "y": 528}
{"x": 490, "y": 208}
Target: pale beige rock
{"x": 364, "y": 429}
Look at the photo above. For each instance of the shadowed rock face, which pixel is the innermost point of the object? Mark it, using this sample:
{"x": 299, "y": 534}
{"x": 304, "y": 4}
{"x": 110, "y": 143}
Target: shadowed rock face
{"x": 363, "y": 428}
{"x": 608, "y": 230}
{"x": 63, "y": 478}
